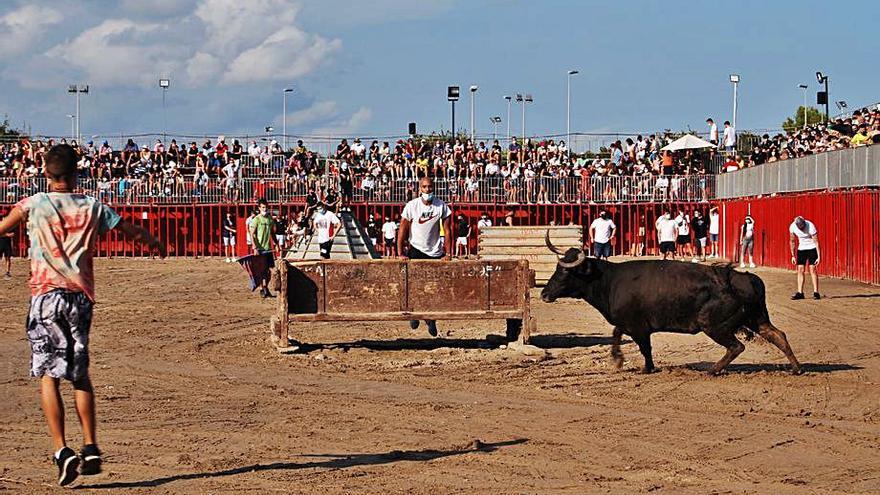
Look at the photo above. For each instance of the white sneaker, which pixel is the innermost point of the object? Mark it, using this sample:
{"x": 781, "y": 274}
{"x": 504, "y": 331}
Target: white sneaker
{"x": 228, "y": 260}
{"x": 742, "y": 265}
{"x": 751, "y": 265}
{"x": 694, "y": 260}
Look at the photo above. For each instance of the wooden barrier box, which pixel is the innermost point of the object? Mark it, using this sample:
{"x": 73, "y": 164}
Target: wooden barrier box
{"x": 380, "y": 290}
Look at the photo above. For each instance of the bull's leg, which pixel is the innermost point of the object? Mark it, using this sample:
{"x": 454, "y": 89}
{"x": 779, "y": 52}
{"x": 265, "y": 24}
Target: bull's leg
{"x": 616, "y": 355}
{"x": 734, "y": 348}
{"x": 777, "y": 337}
{"x": 643, "y": 340}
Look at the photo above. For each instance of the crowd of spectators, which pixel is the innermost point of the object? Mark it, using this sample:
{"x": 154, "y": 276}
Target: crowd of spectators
{"x": 860, "y": 129}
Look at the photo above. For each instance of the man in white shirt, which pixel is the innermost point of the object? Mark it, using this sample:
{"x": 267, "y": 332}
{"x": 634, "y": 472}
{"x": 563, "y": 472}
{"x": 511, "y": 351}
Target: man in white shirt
{"x": 667, "y": 231}
{"x": 729, "y": 137}
{"x": 805, "y": 237}
{"x": 389, "y": 236}
{"x": 713, "y": 131}
{"x": 483, "y": 222}
{"x": 325, "y": 224}
{"x": 683, "y": 222}
{"x": 714, "y": 230}
{"x": 601, "y": 232}
{"x": 420, "y": 227}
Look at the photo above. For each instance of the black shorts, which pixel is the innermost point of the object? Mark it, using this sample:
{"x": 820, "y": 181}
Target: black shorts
{"x": 325, "y": 248}
{"x": 5, "y": 247}
{"x": 683, "y": 239}
{"x": 807, "y": 257}
{"x": 415, "y": 254}
{"x": 667, "y": 247}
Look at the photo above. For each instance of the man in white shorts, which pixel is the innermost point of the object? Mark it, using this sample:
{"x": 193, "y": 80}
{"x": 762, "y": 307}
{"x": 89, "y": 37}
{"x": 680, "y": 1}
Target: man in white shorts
{"x": 463, "y": 233}
{"x": 228, "y": 235}
{"x": 805, "y": 237}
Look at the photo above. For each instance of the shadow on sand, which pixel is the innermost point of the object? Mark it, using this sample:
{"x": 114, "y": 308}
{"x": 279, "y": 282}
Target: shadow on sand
{"x": 547, "y": 341}
{"x": 853, "y": 296}
{"x": 333, "y": 461}
{"x": 746, "y": 369}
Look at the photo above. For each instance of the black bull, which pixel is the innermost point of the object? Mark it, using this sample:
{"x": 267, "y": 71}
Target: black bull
{"x": 643, "y": 297}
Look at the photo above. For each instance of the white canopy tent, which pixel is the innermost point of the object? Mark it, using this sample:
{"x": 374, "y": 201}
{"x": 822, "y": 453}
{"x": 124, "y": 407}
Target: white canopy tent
{"x": 687, "y": 142}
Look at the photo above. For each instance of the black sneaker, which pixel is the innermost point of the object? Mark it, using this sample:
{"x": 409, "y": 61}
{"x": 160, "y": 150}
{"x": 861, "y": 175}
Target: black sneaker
{"x": 816, "y": 296}
{"x": 91, "y": 460}
{"x": 797, "y": 295}
{"x": 67, "y": 463}
{"x": 432, "y": 328}
{"x": 414, "y": 324}
{"x": 268, "y": 294}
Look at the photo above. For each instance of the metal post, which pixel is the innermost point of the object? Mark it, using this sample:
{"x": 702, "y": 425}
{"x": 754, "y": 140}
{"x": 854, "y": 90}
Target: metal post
{"x": 72, "y": 126}
{"x": 524, "y": 121}
{"x": 473, "y": 90}
{"x": 284, "y": 115}
{"x": 735, "y": 84}
{"x": 164, "y": 118}
{"x": 77, "y": 116}
{"x": 508, "y": 98}
{"x": 827, "y": 99}
{"x": 568, "y": 113}
{"x": 453, "y": 120}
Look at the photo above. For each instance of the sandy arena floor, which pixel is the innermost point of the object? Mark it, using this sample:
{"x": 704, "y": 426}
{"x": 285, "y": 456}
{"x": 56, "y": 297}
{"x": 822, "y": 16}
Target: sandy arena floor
{"x": 193, "y": 399}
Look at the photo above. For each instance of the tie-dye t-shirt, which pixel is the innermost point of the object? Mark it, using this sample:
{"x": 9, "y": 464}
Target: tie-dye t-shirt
{"x": 63, "y": 228}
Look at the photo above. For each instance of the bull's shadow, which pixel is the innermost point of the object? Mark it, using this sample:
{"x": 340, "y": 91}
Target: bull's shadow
{"x": 749, "y": 368}
{"x": 332, "y": 461}
{"x": 492, "y": 341}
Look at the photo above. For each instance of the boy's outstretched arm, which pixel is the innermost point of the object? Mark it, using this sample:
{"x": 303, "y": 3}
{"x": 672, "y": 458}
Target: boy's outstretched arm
{"x": 141, "y": 235}
{"x": 11, "y": 221}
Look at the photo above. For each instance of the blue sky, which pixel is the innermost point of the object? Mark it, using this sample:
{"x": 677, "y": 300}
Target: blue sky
{"x": 368, "y": 68}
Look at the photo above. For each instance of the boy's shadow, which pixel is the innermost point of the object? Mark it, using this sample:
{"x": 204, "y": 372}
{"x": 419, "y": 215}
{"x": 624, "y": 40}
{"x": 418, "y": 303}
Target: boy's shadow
{"x": 333, "y": 461}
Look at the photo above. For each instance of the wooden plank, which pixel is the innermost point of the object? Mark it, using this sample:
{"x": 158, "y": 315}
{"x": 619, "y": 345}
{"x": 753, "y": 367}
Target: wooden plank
{"x": 282, "y": 325}
{"x": 364, "y": 287}
{"x": 520, "y": 250}
{"x": 505, "y": 282}
{"x": 447, "y": 286}
{"x": 406, "y": 315}
{"x": 573, "y": 241}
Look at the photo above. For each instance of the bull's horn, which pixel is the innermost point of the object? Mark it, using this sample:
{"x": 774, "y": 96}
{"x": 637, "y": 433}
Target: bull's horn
{"x": 580, "y": 259}
{"x": 550, "y": 245}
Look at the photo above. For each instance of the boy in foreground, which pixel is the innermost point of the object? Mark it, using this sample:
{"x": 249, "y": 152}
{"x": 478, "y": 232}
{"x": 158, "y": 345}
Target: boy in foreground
{"x": 63, "y": 227}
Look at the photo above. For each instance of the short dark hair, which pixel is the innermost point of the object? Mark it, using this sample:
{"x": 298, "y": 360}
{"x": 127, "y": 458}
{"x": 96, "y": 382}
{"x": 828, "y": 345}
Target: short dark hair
{"x": 61, "y": 161}
{"x": 726, "y": 122}
{"x": 262, "y": 202}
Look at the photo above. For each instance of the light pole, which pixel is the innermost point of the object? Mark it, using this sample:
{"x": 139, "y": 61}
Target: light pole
{"x": 804, "y": 87}
{"x": 77, "y": 90}
{"x": 568, "y": 111}
{"x": 164, "y": 84}
{"x": 495, "y": 121}
{"x": 284, "y": 114}
{"x": 452, "y": 94}
{"x": 473, "y": 89}
{"x": 72, "y": 126}
{"x": 523, "y": 99}
{"x": 734, "y": 78}
{"x": 269, "y": 130}
{"x": 508, "y": 98}
{"x": 823, "y": 97}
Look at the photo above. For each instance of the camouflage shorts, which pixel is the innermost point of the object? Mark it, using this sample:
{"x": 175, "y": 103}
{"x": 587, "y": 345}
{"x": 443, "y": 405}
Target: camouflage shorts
{"x": 58, "y": 326}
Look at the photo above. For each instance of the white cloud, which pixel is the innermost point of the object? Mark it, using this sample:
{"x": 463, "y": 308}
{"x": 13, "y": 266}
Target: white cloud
{"x": 344, "y": 126}
{"x": 20, "y": 28}
{"x": 286, "y": 54}
{"x": 319, "y": 112}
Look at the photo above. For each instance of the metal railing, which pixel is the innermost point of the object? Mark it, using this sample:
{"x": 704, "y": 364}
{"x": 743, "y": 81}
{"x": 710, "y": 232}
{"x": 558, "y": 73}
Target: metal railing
{"x": 497, "y": 190}
{"x": 847, "y": 168}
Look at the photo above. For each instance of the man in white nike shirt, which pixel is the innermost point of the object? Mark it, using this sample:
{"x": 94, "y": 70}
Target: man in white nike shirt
{"x": 420, "y": 227}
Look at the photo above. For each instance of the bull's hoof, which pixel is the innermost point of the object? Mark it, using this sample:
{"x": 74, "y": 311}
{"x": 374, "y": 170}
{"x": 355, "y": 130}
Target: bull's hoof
{"x": 617, "y": 362}
{"x": 647, "y": 371}
{"x": 797, "y": 370}
{"x": 715, "y": 372}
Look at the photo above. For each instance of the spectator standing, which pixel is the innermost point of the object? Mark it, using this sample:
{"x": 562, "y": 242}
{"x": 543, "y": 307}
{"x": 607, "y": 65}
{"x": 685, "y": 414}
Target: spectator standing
{"x": 714, "y": 229}
{"x": 228, "y": 236}
{"x": 713, "y": 131}
{"x": 325, "y": 224}
{"x": 63, "y": 227}
{"x": 6, "y": 253}
{"x": 747, "y": 242}
{"x": 373, "y": 230}
{"x": 484, "y": 221}
{"x": 701, "y": 229}
{"x": 420, "y": 228}
{"x": 262, "y": 229}
{"x": 601, "y": 232}
{"x": 805, "y": 237}
{"x": 247, "y": 225}
{"x": 667, "y": 231}
{"x": 389, "y": 237}
{"x": 682, "y": 222}
{"x": 281, "y": 233}
{"x": 729, "y": 137}
{"x": 462, "y": 235}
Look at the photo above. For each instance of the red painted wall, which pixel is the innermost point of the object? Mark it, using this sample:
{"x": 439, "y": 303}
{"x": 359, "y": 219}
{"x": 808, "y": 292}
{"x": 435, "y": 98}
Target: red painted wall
{"x": 848, "y": 223}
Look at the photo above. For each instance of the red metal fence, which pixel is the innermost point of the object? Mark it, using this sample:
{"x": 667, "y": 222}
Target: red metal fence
{"x": 848, "y": 223}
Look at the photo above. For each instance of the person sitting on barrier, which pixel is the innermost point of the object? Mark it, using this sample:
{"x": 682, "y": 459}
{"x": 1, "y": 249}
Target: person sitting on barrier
{"x": 63, "y": 227}
{"x": 262, "y": 229}
{"x": 325, "y": 224}
{"x": 420, "y": 227}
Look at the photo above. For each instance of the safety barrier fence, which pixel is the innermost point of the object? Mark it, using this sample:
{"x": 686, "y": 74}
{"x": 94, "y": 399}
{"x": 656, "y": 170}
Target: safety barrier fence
{"x": 495, "y": 189}
{"x": 848, "y": 168}
{"x": 194, "y": 230}
{"x": 848, "y": 223}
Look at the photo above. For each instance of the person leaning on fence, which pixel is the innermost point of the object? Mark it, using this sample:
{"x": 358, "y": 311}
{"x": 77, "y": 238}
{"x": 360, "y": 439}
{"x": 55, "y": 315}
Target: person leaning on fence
{"x": 601, "y": 232}
{"x": 63, "y": 227}
{"x": 804, "y": 237}
{"x": 747, "y": 242}
{"x": 420, "y": 227}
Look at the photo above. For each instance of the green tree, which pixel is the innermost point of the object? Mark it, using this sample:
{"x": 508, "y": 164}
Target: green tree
{"x": 6, "y": 130}
{"x": 796, "y": 121}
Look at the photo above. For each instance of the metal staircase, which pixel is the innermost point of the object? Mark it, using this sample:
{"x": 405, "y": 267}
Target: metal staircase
{"x": 350, "y": 242}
